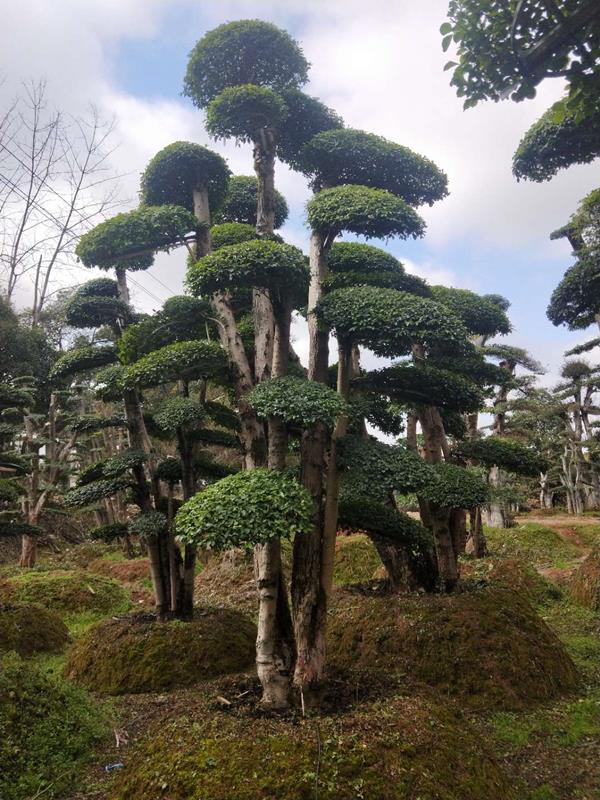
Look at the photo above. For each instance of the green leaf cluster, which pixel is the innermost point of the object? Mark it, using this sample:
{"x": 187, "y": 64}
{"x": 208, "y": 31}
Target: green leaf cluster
{"x": 306, "y": 117}
{"x": 456, "y": 487}
{"x": 112, "y": 467}
{"x": 297, "y": 401}
{"x": 349, "y": 156}
{"x": 239, "y": 205}
{"x": 372, "y": 213}
{"x": 509, "y": 454}
{"x": 381, "y": 520}
{"x": 179, "y": 169}
{"x": 109, "y": 533}
{"x": 139, "y": 233}
{"x": 264, "y": 55}
{"x": 189, "y": 361}
{"x": 480, "y": 315}
{"x": 82, "y": 359}
{"x": 95, "y": 491}
{"x": 169, "y": 470}
{"x": 245, "y": 509}
{"x": 178, "y": 412}
{"x": 241, "y": 112}
{"x": 96, "y": 311}
{"x": 148, "y": 526}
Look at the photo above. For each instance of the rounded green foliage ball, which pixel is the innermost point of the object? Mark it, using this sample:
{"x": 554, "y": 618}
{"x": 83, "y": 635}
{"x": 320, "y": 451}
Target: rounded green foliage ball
{"x": 296, "y": 400}
{"x": 239, "y": 205}
{"x": 481, "y": 316}
{"x": 244, "y": 51}
{"x": 169, "y": 470}
{"x": 129, "y": 240}
{"x": 349, "y": 156}
{"x": 245, "y": 509}
{"x": 95, "y": 311}
{"x": 228, "y": 233}
{"x": 148, "y": 526}
{"x": 255, "y": 264}
{"x": 82, "y": 359}
{"x": 241, "y": 112}
{"x": 179, "y": 361}
{"x": 99, "y": 287}
{"x": 108, "y": 533}
{"x": 95, "y": 491}
{"x": 178, "y": 412}
{"x": 306, "y": 117}
{"x": 373, "y": 213}
{"x": 456, "y": 487}
{"x": 179, "y": 169}
{"x": 390, "y": 322}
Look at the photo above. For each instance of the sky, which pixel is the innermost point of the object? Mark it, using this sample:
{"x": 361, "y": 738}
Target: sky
{"x": 380, "y": 66}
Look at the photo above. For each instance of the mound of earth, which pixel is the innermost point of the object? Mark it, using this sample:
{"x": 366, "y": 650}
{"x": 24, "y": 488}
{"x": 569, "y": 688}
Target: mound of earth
{"x": 487, "y": 646}
{"x": 50, "y": 728}
{"x": 356, "y": 560}
{"x": 29, "y": 629}
{"x": 136, "y": 653}
{"x": 585, "y": 582}
{"x": 128, "y": 570}
{"x": 409, "y": 747}
{"x": 513, "y": 574}
{"x": 227, "y": 580}
{"x": 65, "y": 591}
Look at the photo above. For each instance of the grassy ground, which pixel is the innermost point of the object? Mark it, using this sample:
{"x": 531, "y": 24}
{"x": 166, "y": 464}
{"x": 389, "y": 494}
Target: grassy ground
{"x": 549, "y": 753}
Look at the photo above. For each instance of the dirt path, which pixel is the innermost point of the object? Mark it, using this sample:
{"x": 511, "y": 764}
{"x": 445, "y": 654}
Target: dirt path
{"x": 564, "y": 526}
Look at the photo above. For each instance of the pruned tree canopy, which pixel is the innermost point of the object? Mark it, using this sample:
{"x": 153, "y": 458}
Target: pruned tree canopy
{"x": 177, "y": 170}
{"x": 239, "y": 206}
{"x": 240, "y": 112}
{"x": 349, "y": 156}
{"x": 179, "y": 361}
{"x": 264, "y": 55}
{"x": 480, "y": 315}
{"x": 297, "y": 401}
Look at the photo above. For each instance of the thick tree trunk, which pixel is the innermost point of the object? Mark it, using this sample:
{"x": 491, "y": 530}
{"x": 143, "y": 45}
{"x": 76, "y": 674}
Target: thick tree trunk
{"x": 496, "y": 513}
{"x": 28, "y": 552}
{"x": 396, "y": 563}
{"x": 444, "y": 549}
{"x": 458, "y": 530}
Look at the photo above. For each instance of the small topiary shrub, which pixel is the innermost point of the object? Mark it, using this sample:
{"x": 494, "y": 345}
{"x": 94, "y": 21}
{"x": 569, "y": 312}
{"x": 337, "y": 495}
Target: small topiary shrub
{"x": 585, "y": 583}
{"x": 138, "y": 654}
{"x": 356, "y": 560}
{"x": 49, "y": 730}
{"x": 409, "y": 747}
{"x": 66, "y": 591}
{"x": 29, "y": 629}
{"x": 488, "y": 646}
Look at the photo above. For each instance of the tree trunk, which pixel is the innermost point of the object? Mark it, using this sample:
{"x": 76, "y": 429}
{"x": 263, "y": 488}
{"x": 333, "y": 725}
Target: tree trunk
{"x": 309, "y": 599}
{"x": 458, "y": 530}
{"x": 444, "y": 549}
{"x": 476, "y": 543}
{"x": 496, "y": 514}
{"x": 396, "y": 563}
{"x": 28, "y": 552}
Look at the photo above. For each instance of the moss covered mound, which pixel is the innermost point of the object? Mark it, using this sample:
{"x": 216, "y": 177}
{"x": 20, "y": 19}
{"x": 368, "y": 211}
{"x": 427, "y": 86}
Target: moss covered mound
{"x": 227, "y": 580}
{"x": 30, "y": 629}
{"x": 126, "y": 571}
{"x": 138, "y": 654}
{"x": 356, "y": 560}
{"x": 513, "y": 574}
{"x": 487, "y": 646}
{"x": 405, "y": 748}
{"x": 66, "y": 591}
{"x": 48, "y": 727}
{"x": 585, "y": 582}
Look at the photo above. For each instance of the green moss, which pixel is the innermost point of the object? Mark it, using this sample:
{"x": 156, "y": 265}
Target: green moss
{"x": 30, "y": 629}
{"x": 405, "y": 748}
{"x": 66, "y": 591}
{"x": 577, "y": 627}
{"x": 48, "y": 729}
{"x": 513, "y": 574}
{"x": 356, "y": 560}
{"x": 488, "y": 646}
{"x": 535, "y": 544}
{"x": 584, "y": 586}
{"x": 137, "y": 654}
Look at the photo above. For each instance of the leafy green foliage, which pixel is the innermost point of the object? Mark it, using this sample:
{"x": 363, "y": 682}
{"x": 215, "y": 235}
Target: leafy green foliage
{"x": 456, "y": 487}
{"x": 180, "y": 361}
{"x": 480, "y": 315}
{"x": 13, "y": 528}
{"x": 576, "y": 300}
{"x": 557, "y": 140}
{"x": 263, "y": 264}
{"x": 349, "y": 156}
{"x": 83, "y": 359}
{"x": 222, "y": 415}
{"x": 148, "y": 526}
{"x": 178, "y": 412}
{"x": 513, "y": 356}
{"x": 241, "y": 112}
{"x": 297, "y": 401}
{"x": 390, "y": 322}
{"x": 372, "y": 213}
{"x": 90, "y": 423}
{"x": 14, "y": 396}
{"x": 99, "y": 287}
{"x": 50, "y": 729}
{"x": 497, "y": 53}
{"x": 306, "y": 116}
{"x": 109, "y": 383}
{"x": 357, "y": 264}
{"x": 506, "y": 453}
{"x": 181, "y": 319}
{"x": 139, "y": 233}
{"x": 93, "y": 492}
{"x": 264, "y": 55}
{"x": 109, "y": 533}
{"x": 10, "y": 491}
{"x": 378, "y": 519}
{"x": 212, "y": 436}
{"x": 425, "y": 385}
{"x": 111, "y": 467}
{"x": 177, "y": 170}
{"x": 169, "y": 470}
{"x": 245, "y": 509}
{"x": 228, "y": 233}
{"x": 239, "y": 205}
{"x": 95, "y": 311}
{"x": 373, "y": 469}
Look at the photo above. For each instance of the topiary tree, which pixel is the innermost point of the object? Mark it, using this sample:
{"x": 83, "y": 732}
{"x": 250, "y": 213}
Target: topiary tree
{"x": 240, "y": 201}
{"x": 250, "y": 509}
